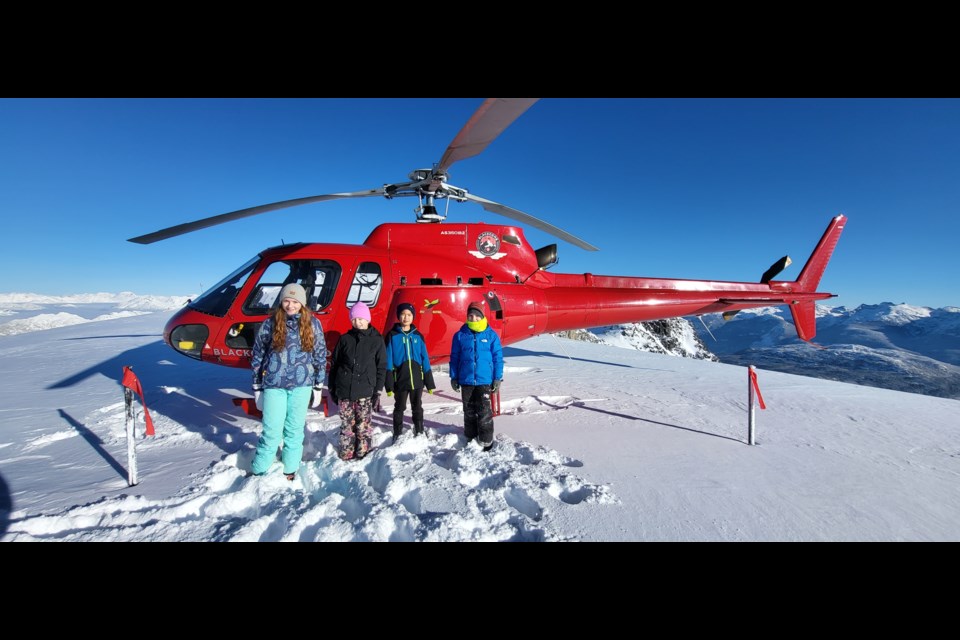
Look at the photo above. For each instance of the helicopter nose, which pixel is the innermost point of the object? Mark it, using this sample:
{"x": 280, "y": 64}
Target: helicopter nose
{"x": 189, "y": 339}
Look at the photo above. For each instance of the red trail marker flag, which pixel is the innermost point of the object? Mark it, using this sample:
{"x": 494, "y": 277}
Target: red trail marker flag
{"x": 753, "y": 381}
{"x": 131, "y": 382}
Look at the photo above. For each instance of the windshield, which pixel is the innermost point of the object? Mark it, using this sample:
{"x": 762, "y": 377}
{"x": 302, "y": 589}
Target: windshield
{"x": 216, "y": 301}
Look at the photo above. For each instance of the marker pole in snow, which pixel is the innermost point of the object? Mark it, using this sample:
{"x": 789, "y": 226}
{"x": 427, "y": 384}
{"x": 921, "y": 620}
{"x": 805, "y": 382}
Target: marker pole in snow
{"x": 751, "y": 408}
{"x": 752, "y": 386}
{"x": 131, "y": 438}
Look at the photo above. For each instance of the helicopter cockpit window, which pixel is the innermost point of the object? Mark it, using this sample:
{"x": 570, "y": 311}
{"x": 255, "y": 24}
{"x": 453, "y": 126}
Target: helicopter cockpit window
{"x": 318, "y": 277}
{"x": 217, "y": 300}
{"x": 366, "y": 286}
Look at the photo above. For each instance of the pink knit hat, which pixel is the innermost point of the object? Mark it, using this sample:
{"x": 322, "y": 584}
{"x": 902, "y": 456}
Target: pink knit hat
{"x": 360, "y": 310}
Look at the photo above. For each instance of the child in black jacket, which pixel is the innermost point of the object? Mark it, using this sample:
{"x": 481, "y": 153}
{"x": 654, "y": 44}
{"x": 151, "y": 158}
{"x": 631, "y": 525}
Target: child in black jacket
{"x": 356, "y": 374}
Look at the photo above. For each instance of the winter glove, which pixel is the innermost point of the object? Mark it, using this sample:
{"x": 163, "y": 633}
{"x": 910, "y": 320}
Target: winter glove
{"x": 430, "y": 391}
{"x": 389, "y": 394}
{"x": 375, "y": 403}
{"x": 455, "y": 385}
{"x": 317, "y": 397}
{"x": 494, "y": 386}
{"x": 258, "y": 399}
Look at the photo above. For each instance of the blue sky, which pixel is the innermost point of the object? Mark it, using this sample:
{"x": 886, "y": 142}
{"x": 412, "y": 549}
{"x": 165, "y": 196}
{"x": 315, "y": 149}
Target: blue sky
{"x": 682, "y": 188}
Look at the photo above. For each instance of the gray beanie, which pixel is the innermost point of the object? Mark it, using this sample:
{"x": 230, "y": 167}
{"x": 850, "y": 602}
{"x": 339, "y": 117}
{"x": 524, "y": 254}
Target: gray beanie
{"x": 295, "y": 291}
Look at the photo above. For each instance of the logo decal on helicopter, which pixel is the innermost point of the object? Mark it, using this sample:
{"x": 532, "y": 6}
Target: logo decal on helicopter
{"x": 242, "y": 353}
{"x": 427, "y": 304}
{"x": 488, "y": 246}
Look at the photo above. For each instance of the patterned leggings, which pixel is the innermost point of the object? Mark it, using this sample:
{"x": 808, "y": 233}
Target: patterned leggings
{"x": 356, "y": 430}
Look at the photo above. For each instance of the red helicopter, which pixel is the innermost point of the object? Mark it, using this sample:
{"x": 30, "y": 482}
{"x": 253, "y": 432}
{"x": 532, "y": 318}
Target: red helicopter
{"x": 441, "y": 268}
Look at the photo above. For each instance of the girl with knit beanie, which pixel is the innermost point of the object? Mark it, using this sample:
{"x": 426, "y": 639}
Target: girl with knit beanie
{"x": 289, "y": 365}
{"x": 357, "y": 373}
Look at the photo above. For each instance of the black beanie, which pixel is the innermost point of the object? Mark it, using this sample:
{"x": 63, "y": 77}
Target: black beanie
{"x": 408, "y": 306}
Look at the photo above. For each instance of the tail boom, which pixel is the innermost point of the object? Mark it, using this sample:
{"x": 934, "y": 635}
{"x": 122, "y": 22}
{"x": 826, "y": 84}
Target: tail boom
{"x": 585, "y": 300}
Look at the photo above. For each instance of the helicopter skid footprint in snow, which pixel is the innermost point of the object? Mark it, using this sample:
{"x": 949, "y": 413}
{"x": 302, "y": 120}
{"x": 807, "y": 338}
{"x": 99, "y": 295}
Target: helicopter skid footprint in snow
{"x": 536, "y": 404}
{"x": 526, "y": 405}
{"x": 508, "y": 369}
{"x": 443, "y": 408}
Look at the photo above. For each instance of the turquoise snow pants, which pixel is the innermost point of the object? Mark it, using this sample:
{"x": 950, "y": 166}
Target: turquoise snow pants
{"x": 284, "y": 416}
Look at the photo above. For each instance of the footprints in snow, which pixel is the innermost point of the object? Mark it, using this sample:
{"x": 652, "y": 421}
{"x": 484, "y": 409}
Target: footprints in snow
{"x": 435, "y": 488}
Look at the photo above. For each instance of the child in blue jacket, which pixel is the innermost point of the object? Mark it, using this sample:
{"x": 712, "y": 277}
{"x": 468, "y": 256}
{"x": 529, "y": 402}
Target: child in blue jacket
{"x": 476, "y": 370}
{"x": 408, "y": 369}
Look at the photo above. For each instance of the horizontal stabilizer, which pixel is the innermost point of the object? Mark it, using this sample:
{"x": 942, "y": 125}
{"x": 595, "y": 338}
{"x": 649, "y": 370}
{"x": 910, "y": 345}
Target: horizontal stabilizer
{"x": 757, "y": 302}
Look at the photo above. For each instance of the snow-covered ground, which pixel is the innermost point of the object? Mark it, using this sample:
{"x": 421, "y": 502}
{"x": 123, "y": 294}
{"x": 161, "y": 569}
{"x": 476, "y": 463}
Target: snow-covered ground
{"x": 595, "y": 443}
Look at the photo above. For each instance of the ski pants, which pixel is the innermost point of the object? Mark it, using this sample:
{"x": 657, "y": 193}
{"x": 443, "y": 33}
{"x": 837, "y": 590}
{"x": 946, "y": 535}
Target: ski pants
{"x": 477, "y": 413}
{"x": 284, "y": 416}
{"x": 416, "y": 404}
{"x": 356, "y": 428}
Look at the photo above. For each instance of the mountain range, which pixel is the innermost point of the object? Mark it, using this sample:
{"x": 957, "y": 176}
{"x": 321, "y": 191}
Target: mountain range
{"x": 891, "y": 346}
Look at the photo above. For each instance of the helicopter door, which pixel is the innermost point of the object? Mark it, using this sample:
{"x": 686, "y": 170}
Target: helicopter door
{"x": 520, "y": 309}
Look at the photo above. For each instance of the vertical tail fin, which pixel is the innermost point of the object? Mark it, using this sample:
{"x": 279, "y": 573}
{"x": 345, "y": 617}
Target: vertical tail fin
{"x": 805, "y": 319}
{"x": 812, "y": 271}
{"x": 805, "y": 313}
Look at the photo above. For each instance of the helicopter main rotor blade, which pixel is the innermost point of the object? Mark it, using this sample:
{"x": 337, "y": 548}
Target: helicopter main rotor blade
{"x": 187, "y": 227}
{"x": 488, "y": 122}
{"x": 526, "y": 218}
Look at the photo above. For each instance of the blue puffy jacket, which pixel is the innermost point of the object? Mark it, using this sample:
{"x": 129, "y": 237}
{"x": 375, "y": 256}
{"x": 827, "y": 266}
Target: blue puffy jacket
{"x": 408, "y": 364}
{"x": 476, "y": 357}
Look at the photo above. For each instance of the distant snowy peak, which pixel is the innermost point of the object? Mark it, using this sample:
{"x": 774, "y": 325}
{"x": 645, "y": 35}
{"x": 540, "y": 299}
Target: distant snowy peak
{"x": 155, "y": 303}
{"x": 35, "y": 312}
{"x": 889, "y": 313}
{"x": 675, "y": 337}
{"x": 886, "y": 313}
{"x": 124, "y": 300}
